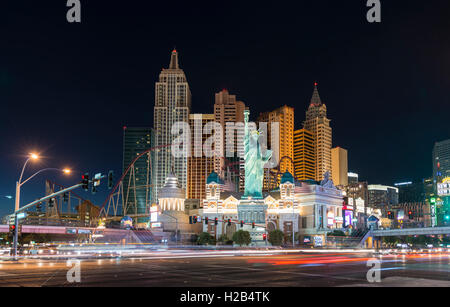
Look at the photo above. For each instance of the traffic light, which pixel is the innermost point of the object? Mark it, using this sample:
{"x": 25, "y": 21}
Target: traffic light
{"x": 447, "y": 216}
{"x": 65, "y": 197}
{"x": 190, "y": 220}
{"x": 19, "y": 229}
{"x": 206, "y": 220}
{"x": 194, "y": 219}
{"x": 51, "y": 202}
{"x": 390, "y": 215}
{"x": 242, "y": 224}
{"x": 264, "y": 236}
{"x": 110, "y": 179}
{"x": 410, "y": 215}
{"x": 85, "y": 181}
{"x": 216, "y": 221}
{"x": 38, "y": 208}
{"x": 229, "y": 222}
{"x": 12, "y": 229}
{"x": 253, "y": 224}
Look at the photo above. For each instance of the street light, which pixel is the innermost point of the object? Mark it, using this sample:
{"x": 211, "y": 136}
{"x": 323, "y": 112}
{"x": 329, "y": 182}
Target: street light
{"x": 20, "y": 183}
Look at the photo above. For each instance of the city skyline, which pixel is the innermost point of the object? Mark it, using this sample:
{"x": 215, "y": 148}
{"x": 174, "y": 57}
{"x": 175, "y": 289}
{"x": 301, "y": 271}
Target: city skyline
{"x": 88, "y": 140}
{"x": 232, "y": 152}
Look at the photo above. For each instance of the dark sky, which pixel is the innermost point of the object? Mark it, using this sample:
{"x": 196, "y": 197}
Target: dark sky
{"x": 67, "y": 90}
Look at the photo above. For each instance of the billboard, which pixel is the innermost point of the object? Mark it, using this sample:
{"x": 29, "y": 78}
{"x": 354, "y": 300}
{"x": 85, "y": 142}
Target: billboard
{"x": 443, "y": 188}
{"x": 348, "y": 218}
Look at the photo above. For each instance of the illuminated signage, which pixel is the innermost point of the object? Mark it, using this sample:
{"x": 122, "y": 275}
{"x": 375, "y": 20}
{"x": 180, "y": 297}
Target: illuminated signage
{"x": 402, "y": 183}
{"x": 330, "y": 216}
{"x": 433, "y": 215}
{"x": 339, "y": 219}
{"x": 348, "y": 218}
{"x": 400, "y": 214}
{"x": 443, "y": 188}
{"x": 318, "y": 241}
{"x": 156, "y": 225}
{"x": 153, "y": 213}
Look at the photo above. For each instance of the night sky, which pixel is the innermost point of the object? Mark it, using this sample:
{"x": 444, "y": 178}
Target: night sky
{"x": 67, "y": 90}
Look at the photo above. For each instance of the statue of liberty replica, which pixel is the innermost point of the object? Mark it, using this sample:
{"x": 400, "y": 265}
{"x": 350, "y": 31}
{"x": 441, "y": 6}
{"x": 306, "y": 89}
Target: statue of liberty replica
{"x": 254, "y": 161}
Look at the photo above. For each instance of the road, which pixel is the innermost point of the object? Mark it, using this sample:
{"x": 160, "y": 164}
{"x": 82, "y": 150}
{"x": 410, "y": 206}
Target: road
{"x": 276, "y": 270}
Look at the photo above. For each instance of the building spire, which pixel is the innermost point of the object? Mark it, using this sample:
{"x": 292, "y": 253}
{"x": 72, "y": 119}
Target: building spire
{"x": 315, "y": 100}
{"x": 174, "y": 60}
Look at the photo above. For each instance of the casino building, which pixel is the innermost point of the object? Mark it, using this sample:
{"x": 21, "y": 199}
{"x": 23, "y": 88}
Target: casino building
{"x": 310, "y": 208}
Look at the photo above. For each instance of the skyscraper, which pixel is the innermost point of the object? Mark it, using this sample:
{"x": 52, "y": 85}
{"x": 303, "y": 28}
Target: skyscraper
{"x": 199, "y": 167}
{"x": 172, "y": 105}
{"x": 137, "y": 189}
{"x": 441, "y": 161}
{"x": 318, "y": 123}
{"x": 352, "y": 177}
{"x": 339, "y": 166}
{"x": 284, "y": 116}
{"x": 229, "y": 110}
{"x": 304, "y": 159}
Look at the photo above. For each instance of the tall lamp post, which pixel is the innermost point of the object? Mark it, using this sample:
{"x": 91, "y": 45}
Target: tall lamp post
{"x": 20, "y": 183}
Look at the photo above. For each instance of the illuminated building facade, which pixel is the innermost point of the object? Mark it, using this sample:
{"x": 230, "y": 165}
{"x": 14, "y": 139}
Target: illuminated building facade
{"x": 174, "y": 215}
{"x": 199, "y": 165}
{"x": 441, "y": 161}
{"x": 382, "y": 197}
{"x": 308, "y": 208}
{"x": 228, "y": 110}
{"x": 352, "y": 177}
{"x": 304, "y": 159}
{"x": 339, "y": 166}
{"x": 172, "y": 104}
{"x": 319, "y": 125}
{"x": 410, "y": 192}
{"x": 284, "y": 117}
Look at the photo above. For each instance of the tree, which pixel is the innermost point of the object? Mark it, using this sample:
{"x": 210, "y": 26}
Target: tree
{"x": 205, "y": 238}
{"x": 391, "y": 241}
{"x": 276, "y": 237}
{"x": 242, "y": 237}
{"x": 225, "y": 240}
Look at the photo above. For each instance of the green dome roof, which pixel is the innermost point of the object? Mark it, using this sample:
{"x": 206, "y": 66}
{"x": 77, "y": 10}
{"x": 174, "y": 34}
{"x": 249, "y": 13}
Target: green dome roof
{"x": 287, "y": 177}
{"x": 214, "y": 177}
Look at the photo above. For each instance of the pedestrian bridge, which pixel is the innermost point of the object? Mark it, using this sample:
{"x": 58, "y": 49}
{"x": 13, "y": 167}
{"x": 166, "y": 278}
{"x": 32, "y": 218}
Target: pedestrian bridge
{"x": 411, "y": 231}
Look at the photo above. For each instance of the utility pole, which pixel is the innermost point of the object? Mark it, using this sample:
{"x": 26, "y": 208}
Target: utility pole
{"x": 16, "y": 235}
{"x": 38, "y": 201}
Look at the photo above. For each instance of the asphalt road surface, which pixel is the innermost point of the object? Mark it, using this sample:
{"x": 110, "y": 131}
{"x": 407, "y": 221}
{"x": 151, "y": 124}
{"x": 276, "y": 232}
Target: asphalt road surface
{"x": 286, "y": 270}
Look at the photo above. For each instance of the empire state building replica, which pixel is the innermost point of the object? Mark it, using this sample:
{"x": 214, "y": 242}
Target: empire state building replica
{"x": 172, "y": 104}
